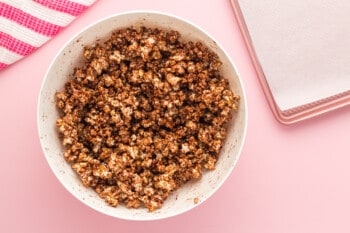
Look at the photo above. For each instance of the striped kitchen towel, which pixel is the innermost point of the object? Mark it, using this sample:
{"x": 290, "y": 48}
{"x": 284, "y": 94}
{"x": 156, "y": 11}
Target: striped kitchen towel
{"x": 25, "y": 25}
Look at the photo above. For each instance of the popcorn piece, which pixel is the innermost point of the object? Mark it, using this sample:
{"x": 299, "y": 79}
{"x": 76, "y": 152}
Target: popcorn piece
{"x": 144, "y": 115}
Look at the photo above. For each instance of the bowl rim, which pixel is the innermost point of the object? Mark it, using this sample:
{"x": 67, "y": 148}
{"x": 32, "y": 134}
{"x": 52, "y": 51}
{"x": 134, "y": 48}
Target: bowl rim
{"x": 186, "y": 21}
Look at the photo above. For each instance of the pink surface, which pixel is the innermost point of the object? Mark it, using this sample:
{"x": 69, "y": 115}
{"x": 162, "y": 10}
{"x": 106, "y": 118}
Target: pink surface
{"x": 288, "y": 178}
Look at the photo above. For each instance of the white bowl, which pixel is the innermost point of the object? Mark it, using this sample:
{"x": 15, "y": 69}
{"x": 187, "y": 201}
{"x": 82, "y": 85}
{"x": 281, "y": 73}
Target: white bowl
{"x": 59, "y": 71}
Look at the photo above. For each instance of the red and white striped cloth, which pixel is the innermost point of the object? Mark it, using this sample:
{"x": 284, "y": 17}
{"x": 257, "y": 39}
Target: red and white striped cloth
{"x": 25, "y": 25}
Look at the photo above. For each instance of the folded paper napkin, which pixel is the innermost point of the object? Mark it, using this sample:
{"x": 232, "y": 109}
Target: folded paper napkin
{"x": 25, "y": 25}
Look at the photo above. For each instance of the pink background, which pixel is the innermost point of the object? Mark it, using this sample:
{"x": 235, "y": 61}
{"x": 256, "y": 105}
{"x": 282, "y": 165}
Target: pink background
{"x": 288, "y": 178}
